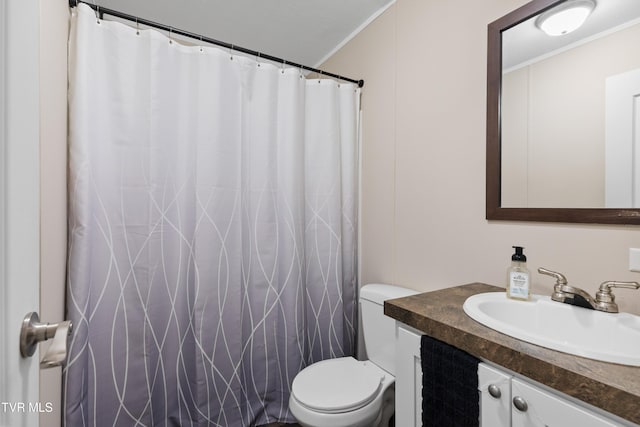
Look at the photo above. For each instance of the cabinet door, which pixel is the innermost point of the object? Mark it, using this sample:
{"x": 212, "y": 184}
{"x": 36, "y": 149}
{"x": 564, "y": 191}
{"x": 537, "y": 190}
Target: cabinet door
{"x": 495, "y": 397}
{"x": 545, "y": 409}
{"x": 408, "y": 377}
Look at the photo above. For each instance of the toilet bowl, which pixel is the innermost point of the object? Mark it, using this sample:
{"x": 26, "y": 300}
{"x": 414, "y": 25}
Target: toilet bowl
{"x": 342, "y": 392}
{"x": 345, "y": 392}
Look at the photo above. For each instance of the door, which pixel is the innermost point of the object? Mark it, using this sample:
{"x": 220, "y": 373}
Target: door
{"x": 408, "y": 377}
{"x": 19, "y": 207}
{"x": 539, "y": 408}
{"x": 495, "y": 397}
{"x": 622, "y": 146}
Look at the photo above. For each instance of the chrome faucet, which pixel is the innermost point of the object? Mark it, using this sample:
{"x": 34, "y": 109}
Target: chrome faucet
{"x": 604, "y": 300}
{"x": 562, "y": 292}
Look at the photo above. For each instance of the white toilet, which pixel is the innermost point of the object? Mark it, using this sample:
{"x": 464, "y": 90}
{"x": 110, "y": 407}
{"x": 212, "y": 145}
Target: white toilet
{"x": 345, "y": 392}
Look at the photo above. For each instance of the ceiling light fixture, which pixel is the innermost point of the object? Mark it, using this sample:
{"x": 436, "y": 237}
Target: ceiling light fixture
{"x": 566, "y": 17}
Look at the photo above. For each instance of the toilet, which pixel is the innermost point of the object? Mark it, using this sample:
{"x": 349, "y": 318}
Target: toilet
{"x": 346, "y": 392}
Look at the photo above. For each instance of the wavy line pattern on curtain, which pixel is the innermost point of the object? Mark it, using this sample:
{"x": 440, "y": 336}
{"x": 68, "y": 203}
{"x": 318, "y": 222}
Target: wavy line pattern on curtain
{"x": 212, "y": 250}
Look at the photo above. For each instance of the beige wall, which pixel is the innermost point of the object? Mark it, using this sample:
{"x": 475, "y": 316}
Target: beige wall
{"x": 423, "y": 198}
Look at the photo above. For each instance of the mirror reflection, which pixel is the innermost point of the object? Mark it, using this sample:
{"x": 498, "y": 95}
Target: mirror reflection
{"x": 570, "y": 109}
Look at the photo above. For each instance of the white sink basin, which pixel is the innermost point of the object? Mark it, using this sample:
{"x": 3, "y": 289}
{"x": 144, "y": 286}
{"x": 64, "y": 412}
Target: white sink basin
{"x": 588, "y": 333}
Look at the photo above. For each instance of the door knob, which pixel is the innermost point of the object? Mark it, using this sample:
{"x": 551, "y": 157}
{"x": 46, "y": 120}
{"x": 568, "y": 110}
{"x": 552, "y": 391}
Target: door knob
{"x": 32, "y": 332}
{"x": 494, "y": 391}
{"x": 520, "y": 404}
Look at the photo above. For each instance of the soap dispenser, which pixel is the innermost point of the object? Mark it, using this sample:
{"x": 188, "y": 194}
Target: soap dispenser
{"x": 518, "y": 286}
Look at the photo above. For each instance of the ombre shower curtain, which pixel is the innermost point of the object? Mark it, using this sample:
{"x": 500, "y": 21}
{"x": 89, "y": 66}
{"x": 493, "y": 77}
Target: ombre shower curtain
{"x": 212, "y": 248}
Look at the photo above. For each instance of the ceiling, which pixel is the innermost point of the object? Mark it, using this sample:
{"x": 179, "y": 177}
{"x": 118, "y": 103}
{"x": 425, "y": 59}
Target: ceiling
{"x": 526, "y": 42}
{"x": 302, "y": 31}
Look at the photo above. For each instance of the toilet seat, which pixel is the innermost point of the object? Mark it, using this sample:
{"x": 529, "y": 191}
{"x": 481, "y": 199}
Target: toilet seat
{"x": 337, "y": 385}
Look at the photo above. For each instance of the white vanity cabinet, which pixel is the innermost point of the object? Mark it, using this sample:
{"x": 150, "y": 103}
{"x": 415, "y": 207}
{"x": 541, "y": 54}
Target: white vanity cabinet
{"x": 549, "y": 409}
{"x": 509, "y": 401}
{"x": 495, "y": 397}
{"x": 500, "y": 392}
{"x": 408, "y": 377}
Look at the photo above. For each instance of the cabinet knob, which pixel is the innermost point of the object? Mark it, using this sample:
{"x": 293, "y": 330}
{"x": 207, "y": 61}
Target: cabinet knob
{"x": 520, "y": 404}
{"x": 494, "y": 391}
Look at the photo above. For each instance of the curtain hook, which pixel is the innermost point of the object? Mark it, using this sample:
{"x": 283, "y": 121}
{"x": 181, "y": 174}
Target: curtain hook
{"x": 258, "y": 58}
{"x": 319, "y": 76}
{"x": 137, "y": 26}
{"x": 201, "y": 48}
{"x": 170, "y": 35}
{"x": 97, "y": 12}
{"x": 284, "y": 63}
{"x": 231, "y": 52}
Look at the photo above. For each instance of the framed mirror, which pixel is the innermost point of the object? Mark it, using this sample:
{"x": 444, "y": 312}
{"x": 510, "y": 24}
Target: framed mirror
{"x": 563, "y": 114}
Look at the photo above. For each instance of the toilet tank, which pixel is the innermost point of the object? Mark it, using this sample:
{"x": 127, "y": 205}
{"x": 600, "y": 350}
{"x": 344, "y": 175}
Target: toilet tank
{"x": 378, "y": 329}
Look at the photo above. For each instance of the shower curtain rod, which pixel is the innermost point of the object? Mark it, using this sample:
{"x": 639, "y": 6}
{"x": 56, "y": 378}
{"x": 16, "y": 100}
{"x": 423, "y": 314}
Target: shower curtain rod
{"x": 101, "y": 11}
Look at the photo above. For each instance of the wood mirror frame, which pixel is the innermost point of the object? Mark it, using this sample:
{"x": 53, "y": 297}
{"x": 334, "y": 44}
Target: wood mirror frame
{"x": 494, "y": 211}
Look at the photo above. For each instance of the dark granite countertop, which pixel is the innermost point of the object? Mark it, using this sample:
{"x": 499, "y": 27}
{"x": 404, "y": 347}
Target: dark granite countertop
{"x": 439, "y": 314}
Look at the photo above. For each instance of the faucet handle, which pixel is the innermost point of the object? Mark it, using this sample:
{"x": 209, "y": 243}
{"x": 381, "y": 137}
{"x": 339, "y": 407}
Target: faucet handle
{"x": 560, "y": 278}
{"x": 561, "y": 282}
{"x": 605, "y": 300}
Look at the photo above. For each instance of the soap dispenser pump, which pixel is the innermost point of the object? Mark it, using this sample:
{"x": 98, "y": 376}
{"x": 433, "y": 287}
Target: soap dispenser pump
{"x": 518, "y": 286}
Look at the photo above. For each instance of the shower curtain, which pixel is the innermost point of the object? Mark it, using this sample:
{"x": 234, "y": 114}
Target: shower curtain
{"x": 212, "y": 250}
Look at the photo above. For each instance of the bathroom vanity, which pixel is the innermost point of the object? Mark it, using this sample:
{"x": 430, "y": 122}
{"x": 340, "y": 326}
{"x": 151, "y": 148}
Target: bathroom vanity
{"x": 585, "y": 391}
